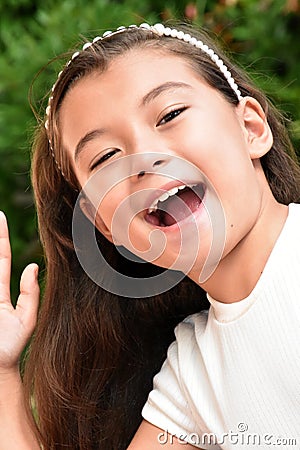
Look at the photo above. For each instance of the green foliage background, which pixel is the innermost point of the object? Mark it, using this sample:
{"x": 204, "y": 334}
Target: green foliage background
{"x": 263, "y": 36}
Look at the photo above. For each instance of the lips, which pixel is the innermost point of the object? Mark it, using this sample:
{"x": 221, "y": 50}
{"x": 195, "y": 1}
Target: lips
{"x": 175, "y": 205}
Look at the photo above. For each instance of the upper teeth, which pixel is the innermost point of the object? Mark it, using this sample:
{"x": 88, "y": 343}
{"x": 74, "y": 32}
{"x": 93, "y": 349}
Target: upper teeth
{"x": 167, "y": 194}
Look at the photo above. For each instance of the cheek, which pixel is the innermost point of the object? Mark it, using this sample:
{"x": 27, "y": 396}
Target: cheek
{"x": 122, "y": 221}
{"x": 108, "y": 206}
{"x": 226, "y": 167}
{"x": 211, "y": 142}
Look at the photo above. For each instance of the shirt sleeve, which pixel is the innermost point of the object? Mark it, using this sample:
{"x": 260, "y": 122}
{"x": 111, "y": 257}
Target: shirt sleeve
{"x": 168, "y": 406}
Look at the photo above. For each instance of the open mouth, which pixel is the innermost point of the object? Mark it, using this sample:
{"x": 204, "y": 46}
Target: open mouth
{"x": 175, "y": 205}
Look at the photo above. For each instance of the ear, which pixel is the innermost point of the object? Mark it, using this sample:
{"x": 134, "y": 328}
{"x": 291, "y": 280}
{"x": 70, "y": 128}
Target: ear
{"x": 256, "y": 128}
{"x": 89, "y": 211}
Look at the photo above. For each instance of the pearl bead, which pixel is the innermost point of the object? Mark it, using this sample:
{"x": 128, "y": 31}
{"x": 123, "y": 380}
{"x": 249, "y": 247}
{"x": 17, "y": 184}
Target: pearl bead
{"x": 75, "y": 55}
{"x": 145, "y": 25}
{"x": 87, "y": 45}
{"x": 159, "y": 28}
{"x": 187, "y": 37}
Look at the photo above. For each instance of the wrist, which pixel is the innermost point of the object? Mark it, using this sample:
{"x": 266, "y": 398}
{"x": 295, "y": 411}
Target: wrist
{"x": 16, "y": 430}
{"x": 9, "y": 374}
{"x": 11, "y": 389}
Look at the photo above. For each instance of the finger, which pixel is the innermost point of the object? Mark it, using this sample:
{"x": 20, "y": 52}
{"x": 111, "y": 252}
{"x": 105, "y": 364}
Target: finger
{"x": 28, "y": 300}
{"x": 5, "y": 260}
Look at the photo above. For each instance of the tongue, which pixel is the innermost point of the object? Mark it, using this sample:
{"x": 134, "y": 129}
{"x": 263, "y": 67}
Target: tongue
{"x": 179, "y": 206}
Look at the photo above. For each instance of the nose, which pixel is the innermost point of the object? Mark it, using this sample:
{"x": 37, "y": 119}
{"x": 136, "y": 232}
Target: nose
{"x": 156, "y": 163}
{"x": 145, "y": 163}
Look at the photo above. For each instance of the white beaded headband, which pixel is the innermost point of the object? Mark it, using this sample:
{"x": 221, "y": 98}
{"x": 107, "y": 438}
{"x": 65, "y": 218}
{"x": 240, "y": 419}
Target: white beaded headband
{"x": 160, "y": 30}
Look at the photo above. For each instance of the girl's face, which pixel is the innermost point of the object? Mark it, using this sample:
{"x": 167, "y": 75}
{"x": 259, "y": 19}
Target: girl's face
{"x": 174, "y": 131}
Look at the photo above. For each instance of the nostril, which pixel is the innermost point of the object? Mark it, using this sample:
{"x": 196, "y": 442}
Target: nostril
{"x": 141, "y": 173}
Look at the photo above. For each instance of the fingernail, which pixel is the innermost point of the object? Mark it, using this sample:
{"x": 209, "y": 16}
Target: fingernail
{"x": 35, "y": 269}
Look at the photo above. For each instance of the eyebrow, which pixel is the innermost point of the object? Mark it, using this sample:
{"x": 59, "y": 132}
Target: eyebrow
{"x": 150, "y": 96}
{"x": 90, "y": 136}
{"x": 169, "y": 85}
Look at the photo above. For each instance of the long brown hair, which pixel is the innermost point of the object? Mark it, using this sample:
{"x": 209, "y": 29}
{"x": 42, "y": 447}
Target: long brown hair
{"x": 94, "y": 354}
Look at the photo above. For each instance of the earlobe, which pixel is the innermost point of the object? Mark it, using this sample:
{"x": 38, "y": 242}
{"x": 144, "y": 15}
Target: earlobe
{"x": 89, "y": 211}
{"x": 257, "y": 130}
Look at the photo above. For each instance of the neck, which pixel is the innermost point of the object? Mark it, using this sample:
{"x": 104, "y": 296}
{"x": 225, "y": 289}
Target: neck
{"x": 239, "y": 271}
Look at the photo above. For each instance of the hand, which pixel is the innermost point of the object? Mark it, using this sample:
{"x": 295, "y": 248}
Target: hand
{"x": 16, "y": 324}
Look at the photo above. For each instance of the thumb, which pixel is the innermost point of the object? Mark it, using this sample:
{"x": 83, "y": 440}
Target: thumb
{"x": 28, "y": 300}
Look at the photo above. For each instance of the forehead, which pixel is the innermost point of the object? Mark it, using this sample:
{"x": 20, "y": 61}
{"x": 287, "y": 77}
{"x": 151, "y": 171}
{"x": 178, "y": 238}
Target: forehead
{"x": 131, "y": 74}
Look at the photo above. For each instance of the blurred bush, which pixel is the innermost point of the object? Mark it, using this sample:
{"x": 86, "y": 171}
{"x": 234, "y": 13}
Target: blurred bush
{"x": 263, "y": 36}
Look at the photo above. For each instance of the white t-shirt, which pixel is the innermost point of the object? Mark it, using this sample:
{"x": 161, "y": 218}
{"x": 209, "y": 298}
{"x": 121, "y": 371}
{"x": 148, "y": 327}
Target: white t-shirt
{"x": 234, "y": 371}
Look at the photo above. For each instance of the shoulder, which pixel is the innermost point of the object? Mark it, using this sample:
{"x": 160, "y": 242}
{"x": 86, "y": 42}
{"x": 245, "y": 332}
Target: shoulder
{"x": 185, "y": 351}
{"x": 288, "y": 242}
{"x": 190, "y": 329}
{"x": 287, "y": 245}
{"x": 294, "y": 214}
{"x": 171, "y": 404}
{"x": 192, "y": 323}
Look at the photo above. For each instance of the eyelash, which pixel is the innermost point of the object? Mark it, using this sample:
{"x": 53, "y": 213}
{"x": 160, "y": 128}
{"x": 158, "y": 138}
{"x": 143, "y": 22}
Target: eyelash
{"x": 171, "y": 115}
{"x": 103, "y": 158}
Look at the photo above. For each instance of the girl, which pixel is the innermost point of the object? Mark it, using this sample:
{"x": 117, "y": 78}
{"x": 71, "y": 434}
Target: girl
{"x": 153, "y": 130}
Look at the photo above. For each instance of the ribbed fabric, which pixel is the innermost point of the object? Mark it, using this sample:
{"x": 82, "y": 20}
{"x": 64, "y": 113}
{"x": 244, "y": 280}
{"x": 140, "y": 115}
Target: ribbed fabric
{"x": 236, "y": 369}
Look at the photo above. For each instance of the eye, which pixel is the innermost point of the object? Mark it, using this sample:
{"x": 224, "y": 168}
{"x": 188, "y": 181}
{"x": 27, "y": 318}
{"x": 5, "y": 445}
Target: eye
{"x": 104, "y": 158}
{"x": 171, "y": 115}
